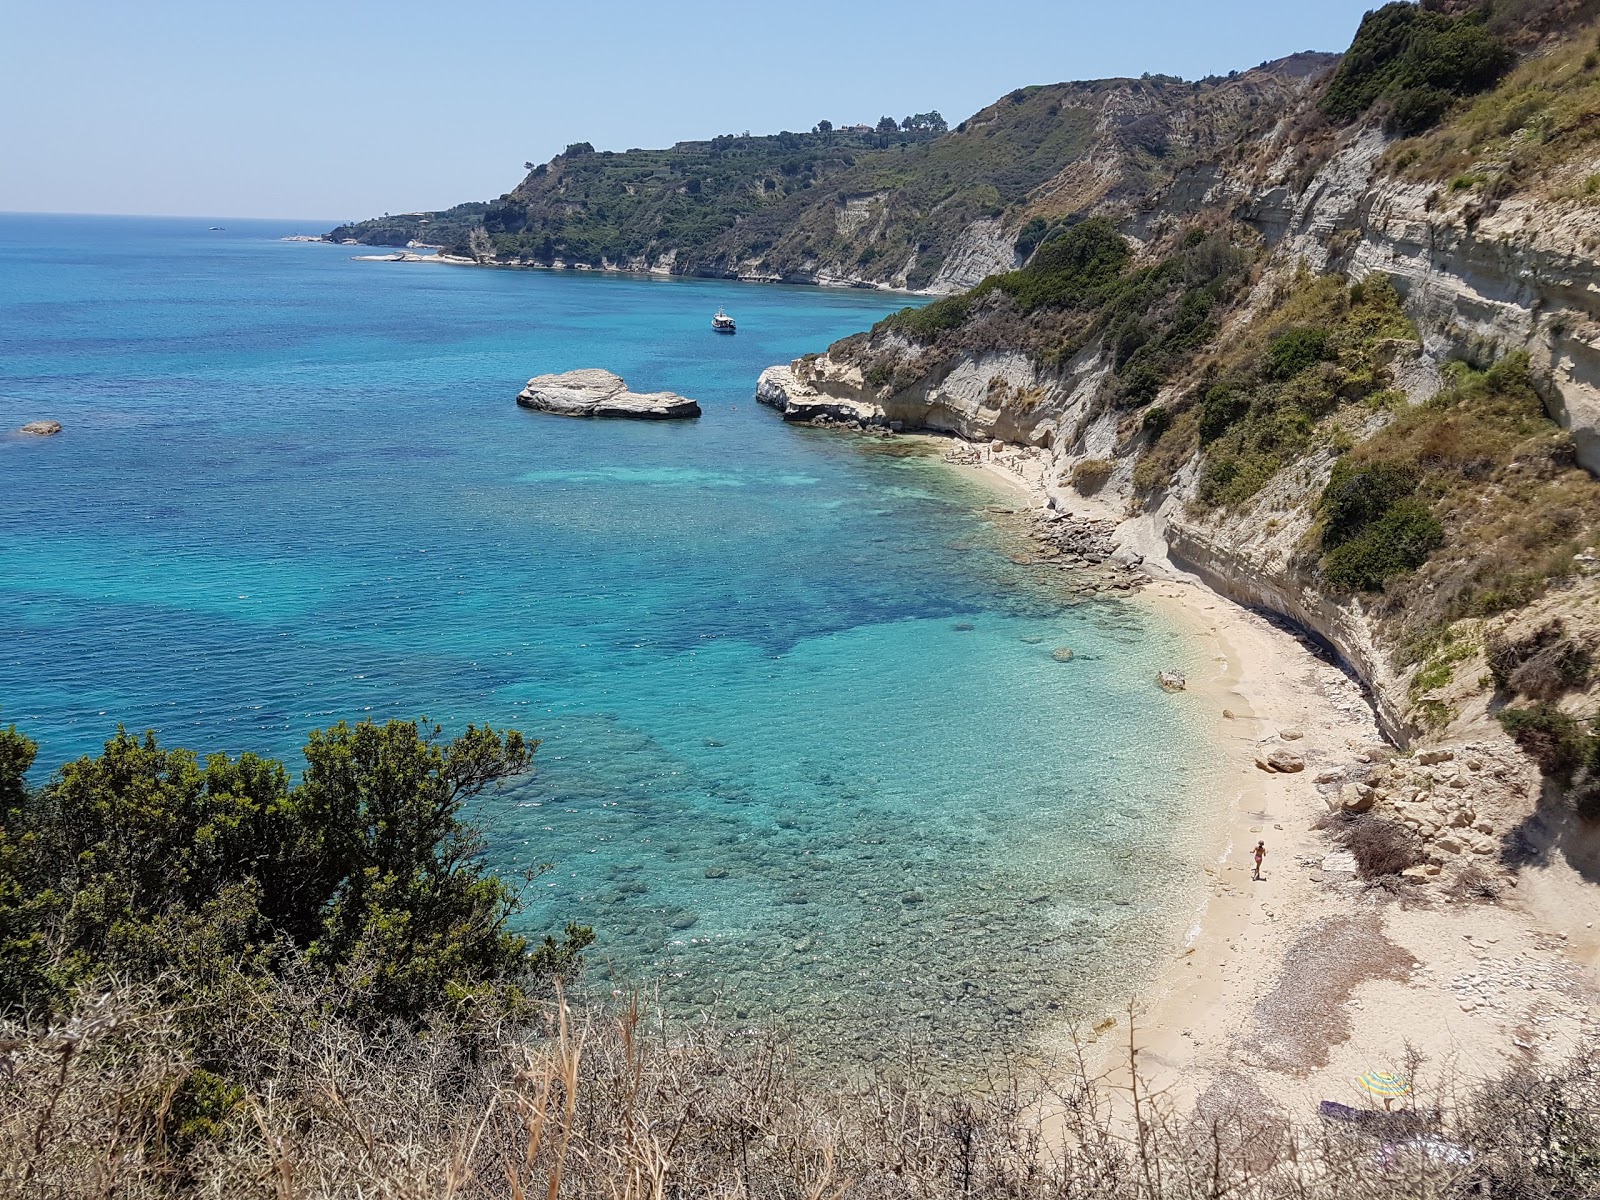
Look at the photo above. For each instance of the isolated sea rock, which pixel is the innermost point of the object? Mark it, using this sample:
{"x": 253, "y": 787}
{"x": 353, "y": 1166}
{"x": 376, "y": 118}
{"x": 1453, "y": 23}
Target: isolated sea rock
{"x": 41, "y": 428}
{"x": 1172, "y": 681}
{"x": 1061, "y": 654}
{"x": 596, "y": 393}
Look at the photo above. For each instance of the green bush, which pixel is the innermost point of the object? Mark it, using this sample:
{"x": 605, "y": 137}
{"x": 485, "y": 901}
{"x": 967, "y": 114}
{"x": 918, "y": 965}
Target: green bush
{"x": 1221, "y": 409}
{"x": 1358, "y": 494}
{"x": 1397, "y": 542}
{"x": 1419, "y": 60}
{"x": 930, "y": 319}
{"x": 1157, "y": 421}
{"x": 143, "y": 862}
{"x": 1068, "y": 270}
{"x": 1294, "y": 350}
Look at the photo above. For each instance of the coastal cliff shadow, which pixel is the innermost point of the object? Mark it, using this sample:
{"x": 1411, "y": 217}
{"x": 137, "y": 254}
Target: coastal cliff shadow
{"x": 1550, "y": 832}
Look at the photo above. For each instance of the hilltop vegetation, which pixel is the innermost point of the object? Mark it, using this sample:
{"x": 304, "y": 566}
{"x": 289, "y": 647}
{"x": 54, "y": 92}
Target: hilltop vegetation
{"x": 883, "y": 206}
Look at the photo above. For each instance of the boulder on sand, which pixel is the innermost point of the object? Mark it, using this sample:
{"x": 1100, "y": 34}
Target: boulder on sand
{"x": 595, "y": 393}
{"x": 1281, "y": 761}
{"x": 42, "y": 428}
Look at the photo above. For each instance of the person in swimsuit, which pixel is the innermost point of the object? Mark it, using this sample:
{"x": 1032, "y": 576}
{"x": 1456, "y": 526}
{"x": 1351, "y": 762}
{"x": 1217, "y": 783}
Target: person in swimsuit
{"x": 1260, "y": 853}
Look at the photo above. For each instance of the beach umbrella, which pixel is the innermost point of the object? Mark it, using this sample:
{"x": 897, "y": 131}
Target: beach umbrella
{"x": 1384, "y": 1085}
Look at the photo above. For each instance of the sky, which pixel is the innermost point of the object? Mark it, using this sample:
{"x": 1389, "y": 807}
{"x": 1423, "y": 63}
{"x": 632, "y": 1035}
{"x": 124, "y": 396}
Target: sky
{"x": 350, "y": 108}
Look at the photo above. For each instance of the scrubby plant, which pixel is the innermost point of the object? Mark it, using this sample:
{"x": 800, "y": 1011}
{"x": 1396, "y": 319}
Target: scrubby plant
{"x": 1373, "y": 527}
{"x": 1418, "y": 60}
{"x": 1155, "y": 422}
{"x": 1090, "y": 475}
{"x": 1542, "y": 665}
{"x": 1381, "y": 847}
{"x": 1264, "y": 394}
{"x": 1553, "y": 739}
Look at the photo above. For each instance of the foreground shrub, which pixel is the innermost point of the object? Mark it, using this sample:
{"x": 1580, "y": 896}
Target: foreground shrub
{"x": 1552, "y": 738}
{"x": 1542, "y": 665}
{"x": 143, "y": 862}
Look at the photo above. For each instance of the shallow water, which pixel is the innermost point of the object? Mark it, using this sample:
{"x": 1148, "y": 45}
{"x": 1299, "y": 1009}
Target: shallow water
{"x": 780, "y": 774}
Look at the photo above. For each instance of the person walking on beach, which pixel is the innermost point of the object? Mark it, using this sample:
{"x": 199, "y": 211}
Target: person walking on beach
{"x": 1260, "y": 853}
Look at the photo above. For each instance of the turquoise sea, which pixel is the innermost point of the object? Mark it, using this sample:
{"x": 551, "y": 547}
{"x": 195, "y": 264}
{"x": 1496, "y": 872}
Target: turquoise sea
{"x": 807, "y": 759}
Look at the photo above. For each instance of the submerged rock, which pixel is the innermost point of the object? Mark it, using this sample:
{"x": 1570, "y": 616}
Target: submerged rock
{"x": 595, "y": 393}
{"x": 1172, "y": 681}
{"x": 41, "y": 428}
{"x": 1061, "y": 654}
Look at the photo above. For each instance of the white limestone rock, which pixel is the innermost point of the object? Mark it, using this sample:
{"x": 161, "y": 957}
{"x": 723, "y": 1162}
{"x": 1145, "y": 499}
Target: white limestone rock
{"x": 596, "y": 393}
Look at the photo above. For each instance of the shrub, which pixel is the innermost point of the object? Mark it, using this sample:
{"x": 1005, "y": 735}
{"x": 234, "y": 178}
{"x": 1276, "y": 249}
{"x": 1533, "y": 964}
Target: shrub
{"x": 1397, "y": 542}
{"x": 1067, "y": 270}
{"x": 1090, "y": 475}
{"x": 1358, "y": 494}
{"x": 1373, "y": 529}
{"x": 1293, "y": 350}
{"x": 1418, "y": 59}
{"x": 1542, "y": 665}
{"x": 929, "y": 320}
{"x": 1381, "y": 847}
{"x": 142, "y": 862}
{"x": 1156, "y": 422}
{"x": 1552, "y": 738}
{"x": 1220, "y": 410}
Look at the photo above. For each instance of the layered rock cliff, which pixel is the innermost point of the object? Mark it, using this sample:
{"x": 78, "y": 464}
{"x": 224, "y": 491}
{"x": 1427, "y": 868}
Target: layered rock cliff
{"x": 1487, "y": 227}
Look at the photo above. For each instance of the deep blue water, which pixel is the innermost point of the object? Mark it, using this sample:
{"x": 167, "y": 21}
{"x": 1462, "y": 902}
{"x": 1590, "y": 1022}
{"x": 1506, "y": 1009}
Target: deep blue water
{"x": 779, "y": 773}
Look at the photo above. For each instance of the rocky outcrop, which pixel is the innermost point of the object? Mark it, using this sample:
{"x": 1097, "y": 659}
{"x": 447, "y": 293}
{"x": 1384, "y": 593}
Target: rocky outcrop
{"x": 595, "y": 393}
{"x": 1481, "y": 276}
{"x": 41, "y": 428}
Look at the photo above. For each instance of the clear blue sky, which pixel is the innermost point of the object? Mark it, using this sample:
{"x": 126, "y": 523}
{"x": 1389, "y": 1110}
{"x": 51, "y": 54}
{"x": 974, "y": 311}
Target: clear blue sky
{"x": 349, "y": 108}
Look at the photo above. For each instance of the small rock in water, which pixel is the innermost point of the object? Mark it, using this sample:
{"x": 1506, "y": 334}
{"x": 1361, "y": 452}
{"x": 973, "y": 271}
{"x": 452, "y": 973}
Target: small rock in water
{"x": 1061, "y": 654}
{"x": 912, "y": 898}
{"x": 716, "y": 872}
{"x": 684, "y": 921}
{"x": 962, "y": 626}
{"x": 1172, "y": 681}
{"x": 1032, "y": 639}
{"x": 41, "y": 428}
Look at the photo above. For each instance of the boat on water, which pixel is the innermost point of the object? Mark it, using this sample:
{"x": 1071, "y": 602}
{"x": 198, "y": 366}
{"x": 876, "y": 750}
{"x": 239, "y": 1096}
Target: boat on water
{"x": 722, "y": 322}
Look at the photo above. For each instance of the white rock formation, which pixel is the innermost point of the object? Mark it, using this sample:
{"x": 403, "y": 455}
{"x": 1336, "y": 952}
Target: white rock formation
{"x": 596, "y": 393}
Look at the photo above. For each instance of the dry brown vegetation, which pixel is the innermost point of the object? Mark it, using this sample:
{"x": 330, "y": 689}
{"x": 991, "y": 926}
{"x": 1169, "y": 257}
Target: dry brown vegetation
{"x": 604, "y": 1102}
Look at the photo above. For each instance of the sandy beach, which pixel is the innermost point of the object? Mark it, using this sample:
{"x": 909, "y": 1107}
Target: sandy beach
{"x": 1281, "y": 991}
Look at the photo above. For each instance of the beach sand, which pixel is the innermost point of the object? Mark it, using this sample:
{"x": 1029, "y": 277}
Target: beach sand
{"x": 1281, "y": 991}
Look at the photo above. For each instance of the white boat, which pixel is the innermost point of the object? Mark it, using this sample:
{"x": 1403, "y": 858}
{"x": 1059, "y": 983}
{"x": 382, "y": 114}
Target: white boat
{"x": 722, "y": 322}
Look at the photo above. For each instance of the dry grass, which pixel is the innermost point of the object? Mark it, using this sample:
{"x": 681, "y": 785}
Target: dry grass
{"x": 604, "y": 1103}
{"x": 1546, "y": 112}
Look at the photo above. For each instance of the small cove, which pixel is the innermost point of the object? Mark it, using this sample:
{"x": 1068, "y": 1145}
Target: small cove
{"x": 807, "y": 757}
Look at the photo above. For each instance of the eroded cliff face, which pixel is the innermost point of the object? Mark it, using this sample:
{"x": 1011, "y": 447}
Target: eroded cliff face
{"x": 1479, "y": 278}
